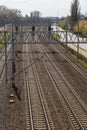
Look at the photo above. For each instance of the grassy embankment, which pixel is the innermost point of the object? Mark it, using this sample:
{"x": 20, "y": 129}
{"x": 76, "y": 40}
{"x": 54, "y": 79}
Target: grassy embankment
{"x": 73, "y": 55}
{"x": 8, "y": 36}
{"x": 83, "y": 33}
{"x": 78, "y": 28}
{"x": 79, "y": 60}
{"x": 1, "y": 40}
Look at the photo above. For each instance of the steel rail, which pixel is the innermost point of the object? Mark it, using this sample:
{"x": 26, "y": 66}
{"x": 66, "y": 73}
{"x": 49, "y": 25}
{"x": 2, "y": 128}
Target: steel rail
{"x": 70, "y": 90}
{"x": 53, "y": 82}
{"x": 72, "y": 63}
{"x": 65, "y": 98}
{"x": 61, "y": 51}
{"x": 65, "y": 81}
{"x": 2, "y": 52}
{"x": 41, "y": 97}
{"x": 2, "y": 64}
{"x": 28, "y": 96}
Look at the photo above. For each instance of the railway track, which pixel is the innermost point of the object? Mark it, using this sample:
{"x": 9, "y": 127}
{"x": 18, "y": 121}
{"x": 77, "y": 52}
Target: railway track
{"x": 1, "y": 52}
{"x": 48, "y": 87}
{"x": 2, "y": 58}
{"x": 36, "y": 109}
{"x": 77, "y": 67}
{"x": 76, "y": 109}
{"x": 36, "y": 106}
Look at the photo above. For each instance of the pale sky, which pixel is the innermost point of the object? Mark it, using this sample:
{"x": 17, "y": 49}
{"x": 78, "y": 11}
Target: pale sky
{"x": 46, "y": 7}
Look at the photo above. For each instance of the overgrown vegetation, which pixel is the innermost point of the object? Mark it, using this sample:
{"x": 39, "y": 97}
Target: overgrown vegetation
{"x": 55, "y": 37}
{"x": 82, "y": 62}
{"x": 1, "y": 46}
{"x": 62, "y": 24}
{"x": 8, "y": 37}
{"x": 74, "y": 13}
{"x": 75, "y": 22}
{"x": 74, "y": 56}
{"x": 78, "y": 28}
{"x": 1, "y": 37}
{"x": 82, "y": 28}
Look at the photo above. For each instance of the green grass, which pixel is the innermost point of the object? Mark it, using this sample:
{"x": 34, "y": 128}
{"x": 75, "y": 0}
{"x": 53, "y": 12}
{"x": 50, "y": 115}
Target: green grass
{"x": 81, "y": 62}
{"x": 1, "y": 46}
{"x": 74, "y": 56}
{"x": 55, "y": 36}
{"x": 8, "y": 37}
{"x": 2, "y": 37}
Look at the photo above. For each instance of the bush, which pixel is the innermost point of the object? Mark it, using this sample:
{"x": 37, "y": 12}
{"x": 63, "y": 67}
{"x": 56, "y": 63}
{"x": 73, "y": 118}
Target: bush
{"x": 62, "y": 24}
{"x": 82, "y": 28}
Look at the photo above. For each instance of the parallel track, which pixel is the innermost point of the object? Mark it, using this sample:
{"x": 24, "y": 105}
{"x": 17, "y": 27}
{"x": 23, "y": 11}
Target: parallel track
{"x": 78, "y": 68}
{"x": 1, "y": 52}
{"x": 37, "y": 115}
{"x": 78, "y": 109}
{"x": 2, "y": 59}
{"x": 37, "y": 111}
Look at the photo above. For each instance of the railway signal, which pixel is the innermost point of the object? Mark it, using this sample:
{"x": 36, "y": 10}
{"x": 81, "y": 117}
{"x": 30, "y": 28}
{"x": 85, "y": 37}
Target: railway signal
{"x": 16, "y": 28}
{"x": 49, "y": 28}
{"x": 33, "y": 30}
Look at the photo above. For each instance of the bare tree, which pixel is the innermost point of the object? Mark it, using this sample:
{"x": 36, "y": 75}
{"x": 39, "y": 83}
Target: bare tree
{"x": 75, "y": 12}
{"x": 9, "y": 15}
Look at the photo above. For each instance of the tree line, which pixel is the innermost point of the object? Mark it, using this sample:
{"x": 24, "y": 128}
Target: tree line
{"x": 9, "y": 15}
{"x": 13, "y": 16}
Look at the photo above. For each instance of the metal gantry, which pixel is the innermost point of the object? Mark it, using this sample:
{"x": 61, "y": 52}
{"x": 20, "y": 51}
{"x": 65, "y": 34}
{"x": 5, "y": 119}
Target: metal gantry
{"x": 47, "y": 33}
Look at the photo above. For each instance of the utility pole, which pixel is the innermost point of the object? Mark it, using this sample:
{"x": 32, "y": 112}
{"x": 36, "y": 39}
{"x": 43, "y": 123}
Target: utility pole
{"x": 5, "y": 43}
{"x": 13, "y": 53}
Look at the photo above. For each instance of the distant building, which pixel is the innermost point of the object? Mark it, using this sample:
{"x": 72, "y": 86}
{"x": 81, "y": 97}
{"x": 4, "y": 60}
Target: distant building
{"x": 85, "y": 18}
{"x": 35, "y": 14}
